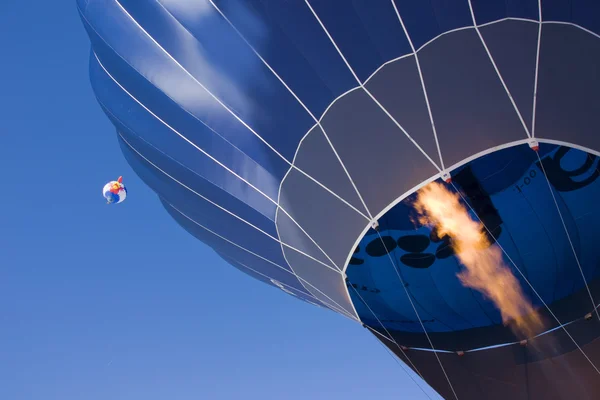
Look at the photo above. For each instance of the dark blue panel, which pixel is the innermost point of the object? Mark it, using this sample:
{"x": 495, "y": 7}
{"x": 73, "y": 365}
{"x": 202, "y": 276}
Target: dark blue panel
{"x": 425, "y": 20}
{"x": 229, "y": 69}
{"x": 557, "y": 10}
{"x": 367, "y": 32}
{"x": 493, "y": 10}
{"x": 585, "y": 13}
{"x": 290, "y": 39}
{"x": 513, "y": 46}
{"x": 138, "y": 120}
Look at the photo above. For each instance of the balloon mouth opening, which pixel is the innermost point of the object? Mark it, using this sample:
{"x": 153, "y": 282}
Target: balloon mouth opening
{"x": 396, "y": 244}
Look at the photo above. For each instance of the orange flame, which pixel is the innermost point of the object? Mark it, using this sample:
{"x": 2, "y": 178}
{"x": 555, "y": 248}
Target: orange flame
{"x": 485, "y": 270}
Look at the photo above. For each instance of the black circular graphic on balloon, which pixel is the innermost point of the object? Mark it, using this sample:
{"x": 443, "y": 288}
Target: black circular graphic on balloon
{"x": 380, "y": 247}
{"x": 445, "y": 250}
{"x": 413, "y": 243}
{"x": 418, "y": 260}
{"x": 435, "y": 237}
{"x": 356, "y": 261}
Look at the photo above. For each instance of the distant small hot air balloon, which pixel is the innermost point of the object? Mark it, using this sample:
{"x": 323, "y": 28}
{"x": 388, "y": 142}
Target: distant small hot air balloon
{"x": 115, "y": 191}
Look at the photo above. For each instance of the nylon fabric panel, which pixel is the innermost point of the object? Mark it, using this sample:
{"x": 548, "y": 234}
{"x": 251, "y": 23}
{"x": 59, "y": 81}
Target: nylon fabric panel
{"x": 493, "y": 10}
{"x": 315, "y": 157}
{"x": 585, "y": 13}
{"x": 328, "y": 221}
{"x": 470, "y": 107}
{"x": 327, "y": 285}
{"x": 325, "y": 218}
{"x": 397, "y": 86}
{"x": 382, "y": 161}
{"x": 568, "y": 105}
{"x": 424, "y": 20}
{"x": 367, "y": 32}
{"x": 513, "y": 45}
{"x": 291, "y": 234}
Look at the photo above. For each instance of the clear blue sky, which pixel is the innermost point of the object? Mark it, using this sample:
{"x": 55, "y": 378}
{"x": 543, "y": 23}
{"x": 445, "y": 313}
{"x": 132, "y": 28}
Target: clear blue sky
{"x": 100, "y": 302}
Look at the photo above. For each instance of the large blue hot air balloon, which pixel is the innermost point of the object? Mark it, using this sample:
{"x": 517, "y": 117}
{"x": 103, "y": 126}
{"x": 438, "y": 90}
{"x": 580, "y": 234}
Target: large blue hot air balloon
{"x": 290, "y": 136}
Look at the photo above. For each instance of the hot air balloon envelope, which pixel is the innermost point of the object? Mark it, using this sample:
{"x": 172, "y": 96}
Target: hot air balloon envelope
{"x": 115, "y": 191}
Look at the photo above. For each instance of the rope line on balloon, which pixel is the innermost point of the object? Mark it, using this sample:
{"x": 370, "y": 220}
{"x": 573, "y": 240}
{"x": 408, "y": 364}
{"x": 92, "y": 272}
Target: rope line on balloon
{"x": 391, "y": 354}
{"x": 281, "y": 285}
{"x": 292, "y": 290}
{"x": 389, "y": 337}
{"x": 562, "y": 220}
{"x": 537, "y": 66}
{"x": 417, "y": 314}
{"x": 310, "y": 113}
{"x": 240, "y": 120}
{"x": 477, "y": 349}
{"x": 410, "y": 138}
{"x": 341, "y": 309}
{"x": 489, "y": 53}
{"x": 528, "y": 282}
{"x": 422, "y": 79}
{"x": 490, "y": 23}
